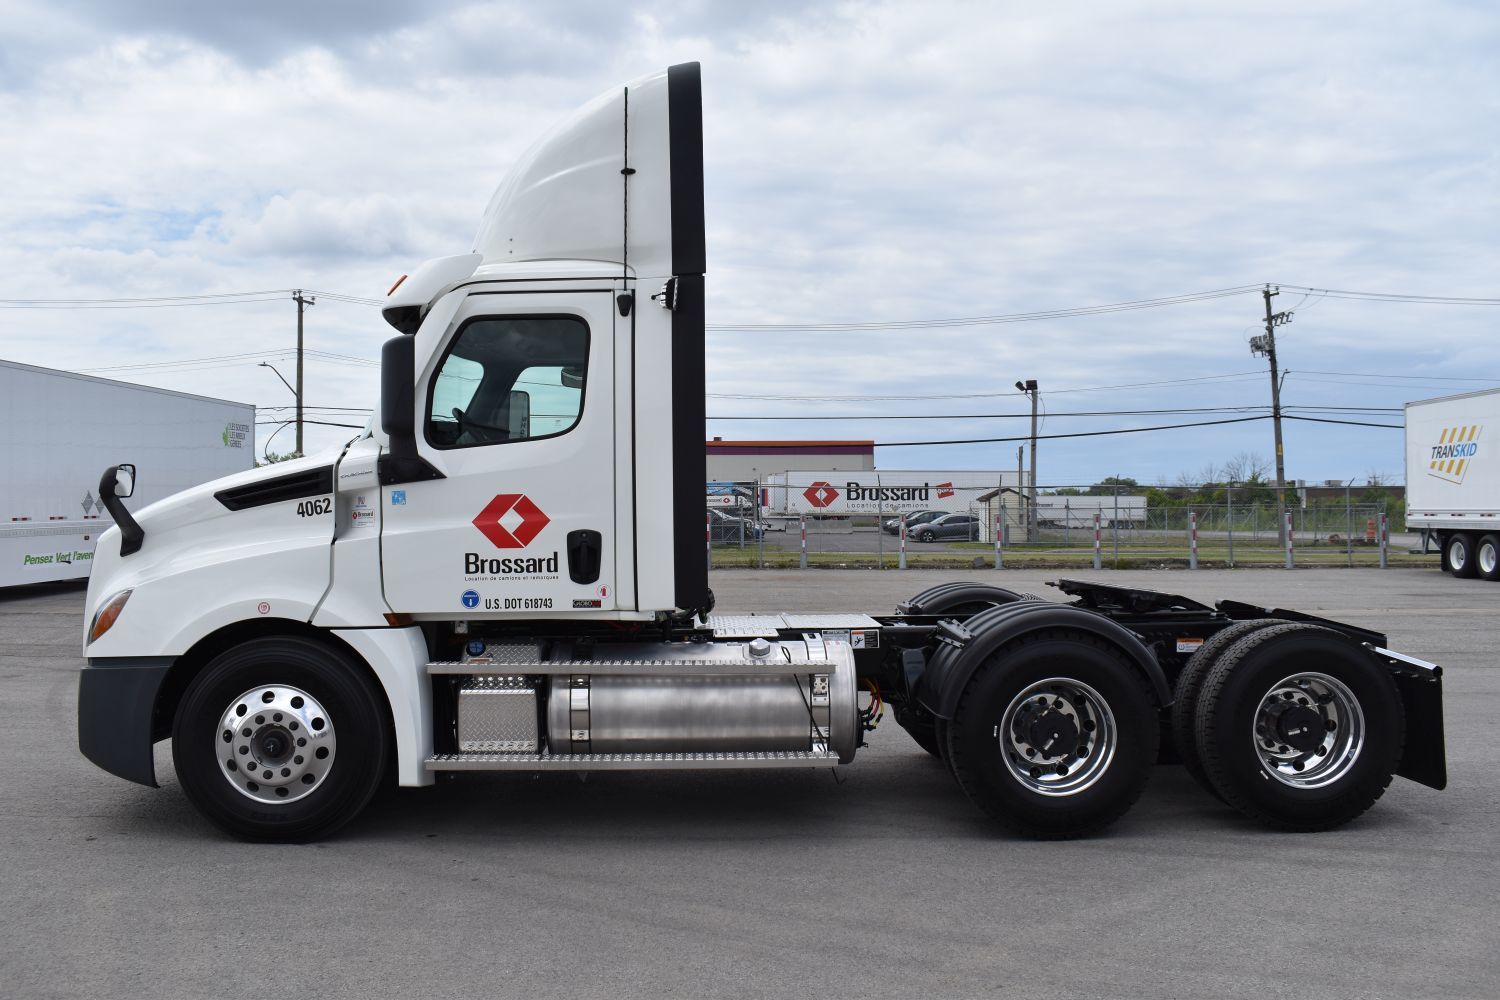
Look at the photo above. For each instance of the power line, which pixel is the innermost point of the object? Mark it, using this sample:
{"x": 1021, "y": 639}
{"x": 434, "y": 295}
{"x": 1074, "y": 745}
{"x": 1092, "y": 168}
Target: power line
{"x": 1351, "y": 423}
{"x": 1231, "y": 376}
{"x": 1436, "y": 300}
{"x": 997, "y": 416}
{"x": 992, "y": 320}
{"x": 1415, "y": 378}
{"x": 173, "y": 301}
{"x": 1027, "y": 437}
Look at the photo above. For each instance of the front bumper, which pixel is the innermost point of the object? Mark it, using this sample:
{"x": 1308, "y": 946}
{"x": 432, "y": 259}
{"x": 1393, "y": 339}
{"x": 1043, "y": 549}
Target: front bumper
{"x": 117, "y": 714}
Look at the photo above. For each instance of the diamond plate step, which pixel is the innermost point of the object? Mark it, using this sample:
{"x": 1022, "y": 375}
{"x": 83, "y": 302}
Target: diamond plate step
{"x": 629, "y": 761}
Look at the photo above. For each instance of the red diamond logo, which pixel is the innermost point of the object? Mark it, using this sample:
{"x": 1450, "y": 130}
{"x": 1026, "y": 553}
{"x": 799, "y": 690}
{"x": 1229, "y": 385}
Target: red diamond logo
{"x": 511, "y": 521}
{"x": 821, "y": 494}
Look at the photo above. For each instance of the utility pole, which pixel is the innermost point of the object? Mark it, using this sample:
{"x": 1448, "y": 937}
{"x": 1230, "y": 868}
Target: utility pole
{"x": 1266, "y": 344}
{"x": 303, "y": 301}
{"x": 1029, "y": 388}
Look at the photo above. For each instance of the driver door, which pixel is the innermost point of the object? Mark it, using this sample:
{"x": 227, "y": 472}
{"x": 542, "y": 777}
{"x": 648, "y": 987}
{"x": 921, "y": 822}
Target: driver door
{"x": 515, "y": 410}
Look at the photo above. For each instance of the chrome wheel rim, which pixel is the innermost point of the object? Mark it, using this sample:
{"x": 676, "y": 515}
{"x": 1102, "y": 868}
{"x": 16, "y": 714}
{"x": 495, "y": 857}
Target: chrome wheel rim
{"x": 275, "y": 744}
{"x": 1487, "y": 558}
{"x": 1057, "y": 737}
{"x": 1308, "y": 730}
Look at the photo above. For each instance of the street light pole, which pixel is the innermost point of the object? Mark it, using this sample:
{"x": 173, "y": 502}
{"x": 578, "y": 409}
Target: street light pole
{"x": 1029, "y": 388}
{"x": 297, "y": 395}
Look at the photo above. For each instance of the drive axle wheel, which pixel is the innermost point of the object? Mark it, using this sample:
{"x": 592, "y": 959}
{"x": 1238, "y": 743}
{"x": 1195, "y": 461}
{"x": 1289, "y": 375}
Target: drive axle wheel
{"x": 1299, "y": 728}
{"x": 1055, "y": 736}
{"x": 280, "y": 739}
{"x": 1190, "y": 684}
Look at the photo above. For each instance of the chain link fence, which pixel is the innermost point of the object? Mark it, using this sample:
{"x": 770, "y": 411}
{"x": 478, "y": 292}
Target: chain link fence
{"x": 996, "y": 527}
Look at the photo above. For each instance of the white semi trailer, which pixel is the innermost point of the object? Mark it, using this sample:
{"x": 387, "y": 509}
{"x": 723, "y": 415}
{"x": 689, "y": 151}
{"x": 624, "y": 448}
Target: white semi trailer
{"x": 1453, "y": 480}
{"x": 472, "y": 587}
{"x": 59, "y": 429}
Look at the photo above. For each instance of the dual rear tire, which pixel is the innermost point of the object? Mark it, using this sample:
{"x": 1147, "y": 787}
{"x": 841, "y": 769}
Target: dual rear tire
{"x": 1055, "y": 735}
{"x": 1467, "y": 556}
{"x": 1291, "y": 724}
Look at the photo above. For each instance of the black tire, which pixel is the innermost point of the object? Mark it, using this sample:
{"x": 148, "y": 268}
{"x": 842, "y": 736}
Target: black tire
{"x": 1458, "y": 553}
{"x": 1245, "y": 677}
{"x": 983, "y": 764}
{"x": 925, "y": 536}
{"x": 1190, "y": 683}
{"x": 1487, "y": 557}
{"x": 331, "y": 681}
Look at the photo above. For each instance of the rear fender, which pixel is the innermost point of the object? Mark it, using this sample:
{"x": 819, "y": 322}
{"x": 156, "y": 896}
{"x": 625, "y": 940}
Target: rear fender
{"x": 962, "y": 648}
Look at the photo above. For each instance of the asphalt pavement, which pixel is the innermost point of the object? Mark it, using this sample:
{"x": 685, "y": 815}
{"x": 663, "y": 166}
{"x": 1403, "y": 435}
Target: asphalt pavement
{"x": 878, "y": 881}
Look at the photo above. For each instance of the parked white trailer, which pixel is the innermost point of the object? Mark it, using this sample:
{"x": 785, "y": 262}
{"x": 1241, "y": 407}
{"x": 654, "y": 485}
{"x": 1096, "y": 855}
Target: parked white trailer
{"x": 894, "y": 492}
{"x": 61, "y": 429}
{"x": 1078, "y": 512}
{"x": 1453, "y": 480}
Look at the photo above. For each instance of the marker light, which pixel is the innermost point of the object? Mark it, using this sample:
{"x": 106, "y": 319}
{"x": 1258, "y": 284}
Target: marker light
{"x": 105, "y": 617}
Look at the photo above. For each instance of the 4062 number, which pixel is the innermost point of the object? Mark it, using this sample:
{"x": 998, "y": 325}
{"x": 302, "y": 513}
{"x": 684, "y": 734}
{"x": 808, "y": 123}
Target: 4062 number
{"x": 312, "y": 508}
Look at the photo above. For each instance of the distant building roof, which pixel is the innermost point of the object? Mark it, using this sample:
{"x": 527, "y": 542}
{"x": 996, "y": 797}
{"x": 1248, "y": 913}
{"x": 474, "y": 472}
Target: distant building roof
{"x": 718, "y": 446}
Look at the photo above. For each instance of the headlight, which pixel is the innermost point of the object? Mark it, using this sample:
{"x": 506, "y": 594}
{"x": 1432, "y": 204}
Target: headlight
{"x": 105, "y": 617}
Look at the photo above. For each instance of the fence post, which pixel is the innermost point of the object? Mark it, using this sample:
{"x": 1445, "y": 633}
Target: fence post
{"x": 901, "y": 562}
{"x": 760, "y": 532}
{"x": 1229, "y": 520}
{"x": 1288, "y": 527}
{"x": 999, "y": 528}
{"x": 1348, "y": 526}
{"x": 879, "y": 525}
{"x": 708, "y": 538}
{"x": 1067, "y": 522}
{"x": 1192, "y": 539}
{"x": 1097, "y": 564}
{"x": 1385, "y": 540}
{"x": 802, "y": 523}
{"x": 1114, "y": 527}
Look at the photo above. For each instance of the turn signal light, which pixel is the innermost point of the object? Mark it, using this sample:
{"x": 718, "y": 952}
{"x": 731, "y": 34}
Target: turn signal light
{"x": 105, "y": 617}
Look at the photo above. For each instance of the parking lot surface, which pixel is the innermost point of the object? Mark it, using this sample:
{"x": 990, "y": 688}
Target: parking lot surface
{"x": 879, "y": 881}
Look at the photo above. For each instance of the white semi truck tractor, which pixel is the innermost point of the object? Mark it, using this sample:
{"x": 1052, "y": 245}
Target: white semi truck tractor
{"x": 507, "y": 573}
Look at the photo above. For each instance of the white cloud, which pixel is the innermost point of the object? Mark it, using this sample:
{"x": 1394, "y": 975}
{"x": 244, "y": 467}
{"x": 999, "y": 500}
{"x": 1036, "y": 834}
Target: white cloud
{"x": 864, "y": 161}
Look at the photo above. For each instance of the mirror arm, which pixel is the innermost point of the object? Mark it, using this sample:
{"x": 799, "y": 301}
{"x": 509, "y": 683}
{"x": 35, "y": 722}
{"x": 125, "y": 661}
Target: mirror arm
{"x": 131, "y": 533}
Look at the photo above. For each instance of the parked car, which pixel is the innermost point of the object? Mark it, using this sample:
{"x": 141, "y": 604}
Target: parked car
{"x": 724, "y": 527}
{"x": 964, "y": 527}
{"x": 916, "y": 517}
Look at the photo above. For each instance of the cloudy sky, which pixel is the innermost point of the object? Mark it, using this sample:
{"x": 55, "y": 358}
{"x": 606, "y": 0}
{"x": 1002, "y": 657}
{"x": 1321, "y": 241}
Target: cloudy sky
{"x": 866, "y": 163}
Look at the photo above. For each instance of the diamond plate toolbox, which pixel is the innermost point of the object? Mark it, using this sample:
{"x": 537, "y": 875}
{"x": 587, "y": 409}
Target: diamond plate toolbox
{"x": 497, "y": 715}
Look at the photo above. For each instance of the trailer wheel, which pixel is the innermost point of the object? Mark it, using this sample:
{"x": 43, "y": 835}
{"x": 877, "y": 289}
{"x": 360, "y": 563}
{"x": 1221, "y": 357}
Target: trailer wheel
{"x": 1298, "y": 728}
{"x": 1190, "y": 684}
{"x": 1458, "y": 553}
{"x": 280, "y": 739}
{"x": 1055, "y": 735}
{"x": 1487, "y": 557}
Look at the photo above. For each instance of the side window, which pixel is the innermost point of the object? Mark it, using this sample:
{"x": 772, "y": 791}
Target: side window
{"x": 509, "y": 379}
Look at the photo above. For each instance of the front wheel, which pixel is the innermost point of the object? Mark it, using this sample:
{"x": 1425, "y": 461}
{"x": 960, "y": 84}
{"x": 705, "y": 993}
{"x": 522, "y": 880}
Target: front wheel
{"x": 280, "y": 739}
{"x": 1055, "y": 735}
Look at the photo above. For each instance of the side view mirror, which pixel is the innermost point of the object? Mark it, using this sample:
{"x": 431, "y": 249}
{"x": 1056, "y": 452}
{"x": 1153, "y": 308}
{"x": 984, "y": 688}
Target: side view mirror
{"x": 124, "y": 480}
{"x": 572, "y": 377}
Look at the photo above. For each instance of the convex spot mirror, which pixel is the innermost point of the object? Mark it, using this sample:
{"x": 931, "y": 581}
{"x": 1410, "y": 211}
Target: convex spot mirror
{"x": 572, "y": 377}
{"x": 124, "y": 480}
